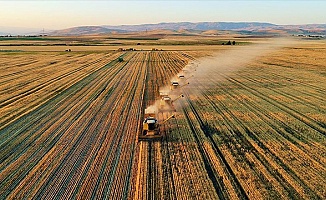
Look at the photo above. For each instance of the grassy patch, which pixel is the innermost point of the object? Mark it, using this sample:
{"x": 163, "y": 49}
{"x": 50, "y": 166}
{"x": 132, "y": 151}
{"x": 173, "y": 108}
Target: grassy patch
{"x": 28, "y": 38}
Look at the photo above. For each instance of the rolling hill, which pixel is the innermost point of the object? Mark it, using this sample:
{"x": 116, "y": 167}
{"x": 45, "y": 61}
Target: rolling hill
{"x": 84, "y": 30}
{"x": 241, "y": 27}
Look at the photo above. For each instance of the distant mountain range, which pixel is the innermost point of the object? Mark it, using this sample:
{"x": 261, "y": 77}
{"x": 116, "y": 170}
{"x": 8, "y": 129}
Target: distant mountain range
{"x": 201, "y": 26}
{"x": 241, "y": 27}
{"x": 84, "y": 30}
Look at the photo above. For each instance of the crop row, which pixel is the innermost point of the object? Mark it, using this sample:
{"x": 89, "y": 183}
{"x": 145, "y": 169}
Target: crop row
{"x": 79, "y": 142}
{"x": 22, "y": 90}
{"x": 254, "y": 133}
{"x": 240, "y": 119}
{"x": 70, "y": 124}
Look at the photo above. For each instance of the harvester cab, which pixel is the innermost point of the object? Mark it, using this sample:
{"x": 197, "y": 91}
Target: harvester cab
{"x": 174, "y": 85}
{"x": 165, "y": 104}
{"x": 165, "y": 100}
{"x": 151, "y": 127}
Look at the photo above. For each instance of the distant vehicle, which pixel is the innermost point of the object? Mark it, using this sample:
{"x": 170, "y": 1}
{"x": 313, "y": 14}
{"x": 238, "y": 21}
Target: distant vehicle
{"x": 166, "y": 103}
{"x": 175, "y": 85}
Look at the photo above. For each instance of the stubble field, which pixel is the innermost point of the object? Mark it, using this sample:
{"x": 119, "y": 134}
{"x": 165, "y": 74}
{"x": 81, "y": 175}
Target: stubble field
{"x": 251, "y": 126}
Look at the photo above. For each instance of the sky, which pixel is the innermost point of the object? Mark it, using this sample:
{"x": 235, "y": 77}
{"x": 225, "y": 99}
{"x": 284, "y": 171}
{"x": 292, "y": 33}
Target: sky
{"x": 60, "y": 14}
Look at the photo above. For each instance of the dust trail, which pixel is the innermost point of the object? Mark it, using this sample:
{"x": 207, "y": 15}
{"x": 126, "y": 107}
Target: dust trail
{"x": 152, "y": 108}
{"x": 230, "y": 61}
{"x": 236, "y": 58}
{"x": 224, "y": 62}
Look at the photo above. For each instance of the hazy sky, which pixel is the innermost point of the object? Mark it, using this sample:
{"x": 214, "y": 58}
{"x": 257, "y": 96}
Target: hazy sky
{"x": 63, "y": 14}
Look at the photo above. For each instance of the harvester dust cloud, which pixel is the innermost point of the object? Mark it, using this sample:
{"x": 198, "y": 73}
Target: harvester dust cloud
{"x": 229, "y": 61}
{"x": 226, "y": 62}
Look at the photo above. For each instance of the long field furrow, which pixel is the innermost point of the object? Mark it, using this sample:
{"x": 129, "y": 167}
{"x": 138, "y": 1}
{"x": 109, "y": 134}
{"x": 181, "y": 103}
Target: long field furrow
{"x": 35, "y": 138}
{"x": 269, "y": 152}
{"x": 253, "y": 129}
{"x": 39, "y": 91}
{"x": 79, "y": 142}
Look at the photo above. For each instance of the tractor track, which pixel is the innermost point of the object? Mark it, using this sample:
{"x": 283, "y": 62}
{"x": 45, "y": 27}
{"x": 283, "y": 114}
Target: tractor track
{"x": 218, "y": 186}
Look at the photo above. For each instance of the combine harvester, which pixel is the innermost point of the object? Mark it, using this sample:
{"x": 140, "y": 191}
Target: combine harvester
{"x": 175, "y": 85}
{"x": 166, "y": 103}
{"x": 151, "y": 127}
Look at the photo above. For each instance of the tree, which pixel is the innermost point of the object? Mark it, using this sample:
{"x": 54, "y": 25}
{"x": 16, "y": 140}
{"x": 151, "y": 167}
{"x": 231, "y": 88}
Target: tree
{"x": 233, "y": 42}
{"x": 228, "y": 43}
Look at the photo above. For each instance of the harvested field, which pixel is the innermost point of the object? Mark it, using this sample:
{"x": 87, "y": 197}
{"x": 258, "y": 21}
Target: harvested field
{"x": 69, "y": 125}
{"x": 69, "y": 122}
{"x": 254, "y": 132}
